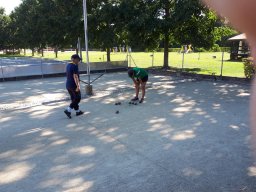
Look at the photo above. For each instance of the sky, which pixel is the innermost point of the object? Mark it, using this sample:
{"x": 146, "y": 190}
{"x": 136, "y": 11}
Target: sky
{"x": 9, "y": 5}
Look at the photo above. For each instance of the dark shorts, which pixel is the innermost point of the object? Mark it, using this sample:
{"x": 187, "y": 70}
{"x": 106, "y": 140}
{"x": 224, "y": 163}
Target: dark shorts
{"x": 144, "y": 79}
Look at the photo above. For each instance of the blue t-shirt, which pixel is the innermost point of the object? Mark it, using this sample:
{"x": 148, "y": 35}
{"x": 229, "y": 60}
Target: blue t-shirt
{"x": 71, "y": 70}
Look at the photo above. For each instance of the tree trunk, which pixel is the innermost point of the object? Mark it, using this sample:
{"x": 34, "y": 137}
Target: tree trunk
{"x": 166, "y": 35}
{"x": 108, "y": 55}
{"x": 56, "y": 52}
{"x": 33, "y": 52}
{"x": 25, "y": 51}
{"x": 166, "y": 50}
{"x": 42, "y": 52}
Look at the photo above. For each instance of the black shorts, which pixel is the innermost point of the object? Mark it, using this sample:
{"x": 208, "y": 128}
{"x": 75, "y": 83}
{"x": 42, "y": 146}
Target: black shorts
{"x": 144, "y": 79}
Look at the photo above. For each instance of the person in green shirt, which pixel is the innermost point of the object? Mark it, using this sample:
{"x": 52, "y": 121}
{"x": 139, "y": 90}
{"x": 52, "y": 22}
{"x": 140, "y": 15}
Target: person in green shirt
{"x": 140, "y": 79}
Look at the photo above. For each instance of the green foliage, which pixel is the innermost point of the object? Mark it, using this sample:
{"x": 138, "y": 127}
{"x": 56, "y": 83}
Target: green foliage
{"x": 138, "y": 23}
{"x": 143, "y": 25}
{"x": 222, "y": 33}
{"x": 37, "y": 23}
{"x": 225, "y": 49}
{"x": 174, "y": 49}
{"x": 4, "y": 35}
{"x": 215, "y": 48}
{"x": 105, "y": 26}
{"x": 198, "y": 30}
{"x": 200, "y": 50}
{"x": 249, "y": 68}
{"x": 188, "y": 22}
{"x": 62, "y": 24}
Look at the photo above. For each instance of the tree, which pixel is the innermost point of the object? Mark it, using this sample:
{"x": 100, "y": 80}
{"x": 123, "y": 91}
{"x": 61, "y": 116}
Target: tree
{"x": 4, "y": 35}
{"x": 26, "y": 26}
{"x": 204, "y": 31}
{"x": 198, "y": 30}
{"x": 62, "y": 24}
{"x": 103, "y": 24}
{"x": 38, "y": 23}
{"x": 142, "y": 24}
{"x": 222, "y": 33}
{"x": 139, "y": 25}
{"x": 176, "y": 15}
{"x": 147, "y": 23}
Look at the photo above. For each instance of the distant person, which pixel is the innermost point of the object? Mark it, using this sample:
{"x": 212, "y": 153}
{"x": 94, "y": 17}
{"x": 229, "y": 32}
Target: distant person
{"x": 73, "y": 86}
{"x": 190, "y": 48}
{"x": 242, "y": 15}
{"x": 140, "y": 79}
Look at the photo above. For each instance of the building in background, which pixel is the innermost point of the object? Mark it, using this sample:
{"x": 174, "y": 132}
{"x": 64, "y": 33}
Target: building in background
{"x": 239, "y": 47}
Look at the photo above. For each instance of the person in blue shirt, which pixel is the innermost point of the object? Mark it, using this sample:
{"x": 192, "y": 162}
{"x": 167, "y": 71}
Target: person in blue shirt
{"x": 73, "y": 86}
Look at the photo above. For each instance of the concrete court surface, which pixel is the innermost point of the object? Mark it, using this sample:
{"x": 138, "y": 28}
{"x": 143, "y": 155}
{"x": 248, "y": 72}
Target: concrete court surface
{"x": 189, "y": 136}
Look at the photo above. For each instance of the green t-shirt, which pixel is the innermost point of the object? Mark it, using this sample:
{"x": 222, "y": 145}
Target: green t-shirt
{"x": 139, "y": 73}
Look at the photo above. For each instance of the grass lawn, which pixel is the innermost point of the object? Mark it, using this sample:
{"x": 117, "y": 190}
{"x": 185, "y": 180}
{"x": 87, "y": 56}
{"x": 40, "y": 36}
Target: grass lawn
{"x": 201, "y": 63}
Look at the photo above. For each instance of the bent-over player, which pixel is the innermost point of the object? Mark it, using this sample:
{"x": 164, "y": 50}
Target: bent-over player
{"x": 140, "y": 79}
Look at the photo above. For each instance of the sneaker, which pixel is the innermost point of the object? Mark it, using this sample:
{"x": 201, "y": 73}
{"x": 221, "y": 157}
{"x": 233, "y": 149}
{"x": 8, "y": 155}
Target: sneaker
{"x": 142, "y": 100}
{"x": 79, "y": 113}
{"x": 135, "y": 99}
{"x": 68, "y": 113}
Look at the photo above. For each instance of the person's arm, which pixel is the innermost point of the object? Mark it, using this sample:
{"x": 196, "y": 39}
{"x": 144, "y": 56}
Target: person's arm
{"x": 134, "y": 81}
{"x": 76, "y": 78}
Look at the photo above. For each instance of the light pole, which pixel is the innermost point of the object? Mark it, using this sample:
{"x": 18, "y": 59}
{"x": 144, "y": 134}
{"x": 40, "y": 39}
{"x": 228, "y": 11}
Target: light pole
{"x": 1, "y": 61}
{"x": 222, "y": 63}
{"x": 89, "y": 87}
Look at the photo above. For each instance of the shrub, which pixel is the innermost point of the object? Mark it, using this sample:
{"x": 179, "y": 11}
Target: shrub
{"x": 200, "y": 50}
{"x": 215, "y": 48}
{"x": 225, "y": 49}
{"x": 249, "y": 68}
{"x": 174, "y": 49}
{"x": 160, "y": 50}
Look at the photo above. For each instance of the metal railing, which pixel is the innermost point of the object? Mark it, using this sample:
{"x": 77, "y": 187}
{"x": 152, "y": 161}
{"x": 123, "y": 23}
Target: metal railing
{"x": 26, "y": 67}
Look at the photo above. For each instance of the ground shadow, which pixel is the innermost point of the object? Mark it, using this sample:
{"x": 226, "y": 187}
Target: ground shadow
{"x": 188, "y": 136}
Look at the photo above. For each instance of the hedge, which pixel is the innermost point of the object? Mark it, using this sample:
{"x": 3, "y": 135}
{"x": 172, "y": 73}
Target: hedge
{"x": 249, "y": 68}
